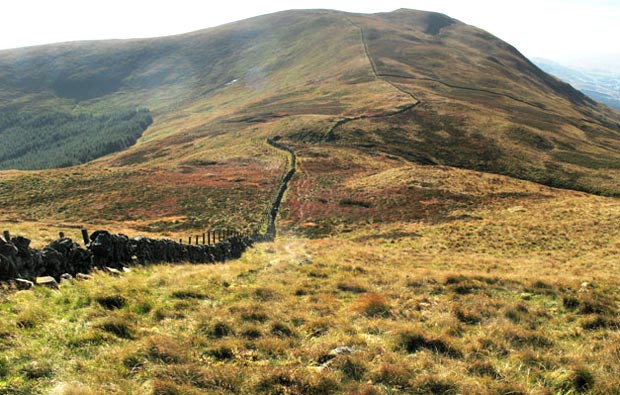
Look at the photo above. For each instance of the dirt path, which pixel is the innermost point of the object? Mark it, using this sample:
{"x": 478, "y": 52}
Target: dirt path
{"x": 330, "y": 134}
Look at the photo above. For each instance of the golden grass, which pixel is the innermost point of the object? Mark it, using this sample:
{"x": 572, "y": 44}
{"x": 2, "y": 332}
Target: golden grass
{"x": 438, "y": 280}
{"x": 419, "y": 314}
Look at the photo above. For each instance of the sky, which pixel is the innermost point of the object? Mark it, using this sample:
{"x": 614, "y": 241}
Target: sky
{"x": 569, "y": 31}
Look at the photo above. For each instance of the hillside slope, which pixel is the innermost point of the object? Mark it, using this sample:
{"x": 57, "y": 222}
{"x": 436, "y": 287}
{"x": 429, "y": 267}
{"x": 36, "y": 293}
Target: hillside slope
{"x": 413, "y": 85}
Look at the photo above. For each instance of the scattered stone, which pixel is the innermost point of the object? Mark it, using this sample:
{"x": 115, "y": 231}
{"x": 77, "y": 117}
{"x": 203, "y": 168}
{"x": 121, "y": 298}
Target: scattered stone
{"x": 112, "y": 271}
{"x": 82, "y": 276}
{"x": 340, "y": 351}
{"x": 66, "y": 278}
{"x": 305, "y": 262}
{"x": 585, "y": 287}
{"x": 22, "y": 284}
{"x": 47, "y": 281}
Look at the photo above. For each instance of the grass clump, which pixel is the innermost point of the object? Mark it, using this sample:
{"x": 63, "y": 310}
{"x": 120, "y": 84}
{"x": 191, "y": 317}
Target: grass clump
{"x": 189, "y": 294}
{"x": 4, "y": 367}
{"x": 596, "y": 322}
{"x": 413, "y": 341}
{"x": 251, "y": 332}
{"x": 75, "y": 389}
{"x": 31, "y": 317}
{"x": 520, "y": 337}
{"x": 37, "y": 370}
{"x": 433, "y": 385}
{"x": 482, "y": 369}
{"x": 466, "y": 315}
{"x": 296, "y": 382}
{"x": 120, "y": 327}
{"x": 372, "y": 305}
{"x": 280, "y": 329}
{"x": 111, "y": 302}
{"x": 348, "y": 286}
{"x": 392, "y": 374}
{"x": 351, "y": 367}
{"x": 221, "y": 353}
{"x": 164, "y": 349}
{"x": 576, "y": 380}
{"x": 265, "y": 294}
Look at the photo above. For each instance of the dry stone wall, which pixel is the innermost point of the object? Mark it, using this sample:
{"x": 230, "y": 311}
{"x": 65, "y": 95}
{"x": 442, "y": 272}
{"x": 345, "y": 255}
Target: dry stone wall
{"x": 106, "y": 250}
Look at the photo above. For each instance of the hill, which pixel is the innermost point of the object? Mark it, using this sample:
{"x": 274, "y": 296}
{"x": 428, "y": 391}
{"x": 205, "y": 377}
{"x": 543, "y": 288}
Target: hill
{"x": 412, "y": 85}
{"x": 407, "y": 260}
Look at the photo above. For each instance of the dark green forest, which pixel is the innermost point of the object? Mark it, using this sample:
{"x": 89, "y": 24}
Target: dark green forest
{"x": 31, "y": 140}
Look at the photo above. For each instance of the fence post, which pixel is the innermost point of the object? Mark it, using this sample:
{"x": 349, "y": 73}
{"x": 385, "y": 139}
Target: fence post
{"x": 190, "y": 240}
{"x": 61, "y": 235}
{"x": 7, "y": 236}
{"x": 85, "y": 237}
{"x": 196, "y": 239}
{"x": 180, "y": 241}
{"x": 204, "y": 241}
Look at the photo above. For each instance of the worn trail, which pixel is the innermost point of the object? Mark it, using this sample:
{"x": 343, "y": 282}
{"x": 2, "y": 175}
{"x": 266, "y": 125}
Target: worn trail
{"x": 331, "y": 133}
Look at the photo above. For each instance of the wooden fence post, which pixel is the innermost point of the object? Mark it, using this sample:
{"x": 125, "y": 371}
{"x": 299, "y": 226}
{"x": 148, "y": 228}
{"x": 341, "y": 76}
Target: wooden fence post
{"x": 180, "y": 241}
{"x": 85, "y": 237}
{"x": 196, "y": 239}
{"x": 7, "y": 236}
{"x": 204, "y": 240}
{"x": 61, "y": 235}
{"x": 190, "y": 240}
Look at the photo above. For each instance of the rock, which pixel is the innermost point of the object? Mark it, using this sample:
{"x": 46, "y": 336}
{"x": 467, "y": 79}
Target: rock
{"x": 305, "y": 262}
{"x": 47, "y": 281}
{"x": 112, "y": 271}
{"x": 66, "y": 278}
{"x": 82, "y": 276}
{"x": 22, "y": 284}
{"x": 107, "y": 247}
{"x": 340, "y": 351}
{"x": 585, "y": 287}
{"x": 126, "y": 269}
{"x": 21, "y": 243}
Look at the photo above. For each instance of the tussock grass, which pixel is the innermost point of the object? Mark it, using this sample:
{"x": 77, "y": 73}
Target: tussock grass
{"x": 416, "y": 318}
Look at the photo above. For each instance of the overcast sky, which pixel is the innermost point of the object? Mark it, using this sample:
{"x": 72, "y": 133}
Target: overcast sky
{"x": 564, "y": 31}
